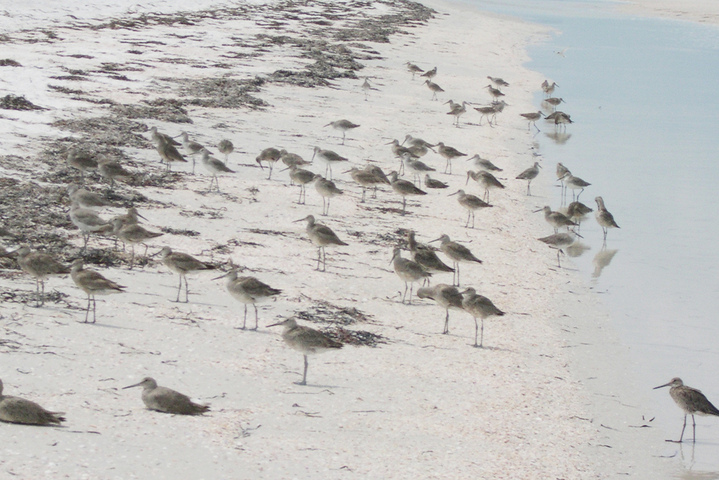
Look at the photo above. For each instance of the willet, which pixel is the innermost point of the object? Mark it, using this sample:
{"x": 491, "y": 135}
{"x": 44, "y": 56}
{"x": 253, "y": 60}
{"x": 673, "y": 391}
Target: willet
{"x": 575, "y": 183}
{"x": 112, "y": 170}
{"x": 321, "y": 236}
{"x": 270, "y": 155}
{"x": 182, "y": 264}
{"x": 499, "y": 82}
{"x": 479, "y": 306}
{"x": 494, "y": 92}
{"x": 92, "y": 283}
{"x": 86, "y": 199}
{"x": 292, "y": 159}
{"x": 532, "y": 119}
{"x": 301, "y": 177}
{"x": 191, "y": 147}
{"x": 604, "y": 218}
{"x": 553, "y": 101}
{"x": 417, "y": 167}
{"x": 365, "y": 179}
{"x": 432, "y": 183}
{"x": 425, "y": 256}
{"x": 446, "y": 296}
{"x": 133, "y": 234}
{"x": 485, "y": 180}
{"x": 327, "y": 189}
{"x": 166, "y": 400}
{"x": 329, "y": 157}
{"x": 562, "y": 172}
{"x": 82, "y": 161}
{"x": 457, "y": 252}
{"x": 377, "y": 172}
{"x": 449, "y": 153}
{"x": 248, "y": 290}
{"x": 26, "y": 412}
{"x": 560, "y": 241}
{"x": 529, "y": 175}
{"x": 471, "y": 203}
{"x": 168, "y": 152}
{"x": 486, "y": 112}
{"x": 556, "y": 219}
{"x": 41, "y": 266}
{"x": 306, "y": 340}
{"x": 214, "y": 166}
{"x": 158, "y": 136}
{"x": 88, "y": 221}
{"x": 577, "y": 212}
{"x": 458, "y": 109}
{"x": 692, "y": 401}
{"x": 226, "y": 147}
{"x": 430, "y": 74}
{"x": 561, "y": 119}
{"x": 417, "y": 142}
{"x": 404, "y": 188}
{"x": 401, "y": 152}
{"x": 408, "y": 271}
{"x": 414, "y": 69}
{"x": 484, "y": 164}
{"x": 434, "y": 88}
{"x": 343, "y": 126}
{"x": 131, "y": 217}
{"x": 366, "y": 87}
{"x": 548, "y": 89}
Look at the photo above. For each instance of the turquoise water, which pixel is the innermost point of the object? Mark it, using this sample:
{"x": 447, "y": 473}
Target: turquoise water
{"x": 644, "y": 95}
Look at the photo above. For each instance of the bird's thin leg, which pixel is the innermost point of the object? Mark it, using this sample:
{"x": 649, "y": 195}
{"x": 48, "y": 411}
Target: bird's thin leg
{"x": 481, "y": 335}
{"x": 187, "y": 291}
{"x": 319, "y": 256}
{"x": 466, "y": 225}
{"x": 304, "y": 373}
{"x": 694, "y": 430}
{"x": 405, "y": 292}
{"x": 87, "y": 310}
{"x": 244, "y": 320}
{"x": 446, "y": 323}
{"x": 94, "y": 310}
{"x": 256, "y": 319}
{"x": 411, "y": 288}
{"x": 476, "y": 331}
{"x": 179, "y": 288}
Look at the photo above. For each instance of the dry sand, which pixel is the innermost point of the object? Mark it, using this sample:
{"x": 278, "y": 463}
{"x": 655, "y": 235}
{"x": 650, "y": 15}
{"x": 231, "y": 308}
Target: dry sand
{"x": 702, "y": 11}
{"x": 550, "y": 396}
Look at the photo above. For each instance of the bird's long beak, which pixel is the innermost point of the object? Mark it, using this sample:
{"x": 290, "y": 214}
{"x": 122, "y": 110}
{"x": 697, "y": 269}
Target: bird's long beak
{"x": 131, "y": 386}
{"x": 455, "y": 193}
{"x": 274, "y": 324}
{"x": 436, "y": 240}
{"x": 662, "y": 386}
{"x": 468, "y": 175}
{"x": 535, "y": 211}
{"x": 223, "y": 276}
{"x": 300, "y": 220}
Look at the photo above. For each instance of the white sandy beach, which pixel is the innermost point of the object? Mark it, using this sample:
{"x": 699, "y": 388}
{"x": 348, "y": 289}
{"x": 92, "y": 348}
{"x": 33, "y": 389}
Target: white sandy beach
{"x": 550, "y": 396}
{"x": 702, "y": 11}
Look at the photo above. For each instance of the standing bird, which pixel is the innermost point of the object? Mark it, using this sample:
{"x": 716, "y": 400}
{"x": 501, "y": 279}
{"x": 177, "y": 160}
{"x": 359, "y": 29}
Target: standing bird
{"x": 490, "y": 113}
{"x": 248, "y": 290}
{"x": 499, "y": 82}
{"x": 292, "y": 159}
{"x": 86, "y": 199}
{"x": 494, "y": 92}
{"x": 430, "y": 74}
{"x": 182, "y": 264}
{"x": 226, "y": 148}
{"x": 26, "y": 412}
{"x": 484, "y": 164}
{"x": 366, "y": 87}
{"x": 485, "y": 180}
{"x": 562, "y": 172}
{"x": 425, "y": 256}
{"x": 270, "y": 155}
{"x": 214, "y": 166}
{"x": 556, "y": 219}
{"x": 92, "y": 283}
{"x": 434, "y": 88}
{"x": 401, "y": 152}
{"x": 158, "y": 136}
{"x": 417, "y": 167}
{"x": 548, "y": 89}
{"x": 342, "y": 125}
{"x": 532, "y": 118}
{"x": 471, "y": 203}
{"x": 82, "y": 161}
{"x": 404, "y": 188}
{"x": 577, "y": 212}
{"x": 168, "y": 152}
{"x": 414, "y": 69}
{"x": 529, "y": 175}
{"x": 446, "y": 296}
{"x": 327, "y": 189}
{"x": 88, "y": 221}
{"x": 553, "y": 101}
{"x": 166, "y": 400}
{"x": 604, "y": 218}
{"x": 306, "y": 340}
{"x": 41, "y": 266}
{"x": 112, "y": 170}
{"x": 575, "y": 183}
{"x": 457, "y": 252}
{"x": 458, "y": 109}
{"x": 365, "y": 179}
{"x": 329, "y": 157}
{"x": 301, "y": 177}
{"x": 560, "y": 242}
{"x": 132, "y": 234}
{"x": 321, "y": 236}
{"x": 191, "y": 147}
{"x": 479, "y": 306}
{"x": 408, "y": 271}
{"x": 692, "y": 401}
{"x": 449, "y": 153}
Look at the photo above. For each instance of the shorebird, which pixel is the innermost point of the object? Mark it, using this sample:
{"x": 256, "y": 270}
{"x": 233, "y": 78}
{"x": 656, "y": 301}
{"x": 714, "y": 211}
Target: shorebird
{"x": 226, "y": 147}
{"x": 377, "y": 172}
{"x": 214, "y": 166}
{"x": 446, "y": 296}
{"x": 366, "y": 87}
{"x": 248, "y": 290}
{"x": 132, "y": 234}
{"x": 560, "y": 241}
{"x": 553, "y": 101}
{"x": 270, "y": 155}
{"x": 532, "y": 119}
{"x": 404, "y": 188}
{"x": 489, "y": 113}
{"x": 365, "y": 179}
{"x": 166, "y": 400}
{"x": 86, "y": 199}
{"x": 417, "y": 167}
{"x": 131, "y": 217}
{"x": 301, "y": 177}
{"x": 449, "y": 153}
{"x": 329, "y": 157}
{"x": 306, "y": 340}
{"x": 457, "y": 252}
{"x": 604, "y": 218}
{"x": 529, "y": 175}
{"x": 158, "y": 136}
{"x": 41, "y": 266}
{"x": 417, "y": 142}
{"x": 425, "y": 256}
{"x": 112, "y": 170}
{"x": 192, "y": 148}
{"x": 562, "y": 172}
{"x": 92, "y": 283}
{"x": 577, "y": 211}
{"x": 494, "y": 92}
{"x": 548, "y": 89}
{"x": 499, "y": 82}
{"x": 430, "y": 74}
{"x": 692, "y": 401}
{"x": 401, "y": 152}
{"x": 562, "y": 119}
{"x": 26, "y": 412}
{"x": 471, "y": 203}
{"x": 432, "y": 183}
{"x": 88, "y": 221}
{"x": 434, "y": 88}
{"x": 182, "y": 264}
{"x": 168, "y": 152}
{"x": 327, "y": 189}
{"x": 484, "y": 164}
{"x": 556, "y": 219}
{"x": 408, "y": 271}
{"x": 292, "y": 159}
{"x": 82, "y": 161}
{"x": 485, "y": 180}
{"x": 343, "y": 126}
{"x": 321, "y": 236}
{"x": 414, "y": 69}
{"x": 575, "y": 183}
{"x": 458, "y": 109}
{"x": 479, "y": 306}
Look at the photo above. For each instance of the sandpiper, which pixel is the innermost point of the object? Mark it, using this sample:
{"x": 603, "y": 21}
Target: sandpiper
{"x": 166, "y": 400}
{"x": 92, "y": 283}
{"x": 248, "y": 290}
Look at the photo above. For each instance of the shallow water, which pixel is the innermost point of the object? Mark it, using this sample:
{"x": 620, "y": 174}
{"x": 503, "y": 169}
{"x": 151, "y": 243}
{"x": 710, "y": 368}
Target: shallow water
{"x": 644, "y": 97}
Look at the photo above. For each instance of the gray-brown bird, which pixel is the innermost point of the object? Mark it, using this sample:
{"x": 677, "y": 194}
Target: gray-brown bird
{"x": 92, "y": 283}
{"x": 182, "y": 264}
{"x": 166, "y": 400}
{"x": 692, "y": 401}
{"x": 41, "y": 266}
{"x": 26, "y": 412}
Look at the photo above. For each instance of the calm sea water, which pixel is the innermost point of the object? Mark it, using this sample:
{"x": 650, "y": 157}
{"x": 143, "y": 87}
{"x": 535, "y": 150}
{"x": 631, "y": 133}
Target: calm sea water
{"x": 644, "y": 94}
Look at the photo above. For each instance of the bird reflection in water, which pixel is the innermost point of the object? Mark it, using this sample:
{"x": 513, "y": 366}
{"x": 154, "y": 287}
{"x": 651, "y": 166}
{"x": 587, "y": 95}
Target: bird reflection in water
{"x": 602, "y": 259}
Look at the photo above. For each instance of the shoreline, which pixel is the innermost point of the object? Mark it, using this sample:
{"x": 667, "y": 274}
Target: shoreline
{"x": 527, "y": 427}
{"x": 698, "y": 11}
